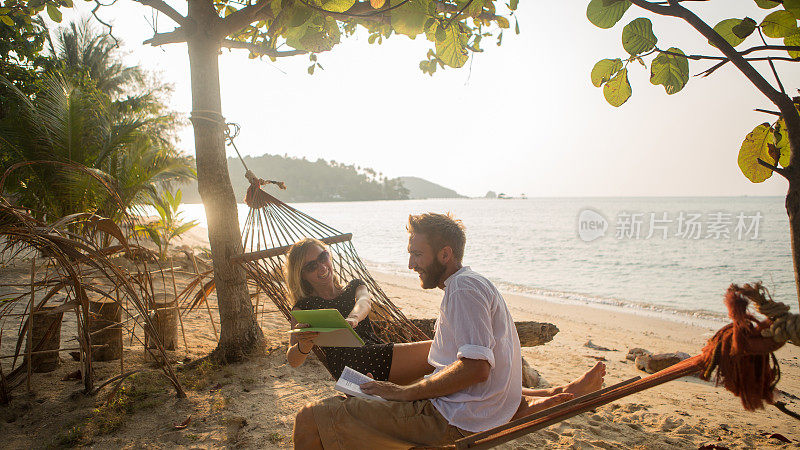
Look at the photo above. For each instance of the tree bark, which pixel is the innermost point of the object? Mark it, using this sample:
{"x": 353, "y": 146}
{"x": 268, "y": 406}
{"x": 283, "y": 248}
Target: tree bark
{"x": 240, "y": 334}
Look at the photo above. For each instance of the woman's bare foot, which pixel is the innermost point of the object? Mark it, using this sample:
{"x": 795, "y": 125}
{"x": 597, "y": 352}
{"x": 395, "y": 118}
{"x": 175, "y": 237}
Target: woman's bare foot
{"x": 530, "y": 405}
{"x": 589, "y": 382}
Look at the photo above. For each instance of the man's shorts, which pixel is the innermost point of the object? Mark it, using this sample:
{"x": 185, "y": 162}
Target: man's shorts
{"x": 351, "y": 422}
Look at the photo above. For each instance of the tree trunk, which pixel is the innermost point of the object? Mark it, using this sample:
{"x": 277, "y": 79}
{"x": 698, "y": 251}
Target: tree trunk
{"x": 793, "y": 210}
{"x": 240, "y": 334}
{"x": 792, "y": 120}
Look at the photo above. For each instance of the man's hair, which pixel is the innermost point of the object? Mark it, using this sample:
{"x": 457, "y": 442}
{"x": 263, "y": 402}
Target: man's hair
{"x": 442, "y": 230}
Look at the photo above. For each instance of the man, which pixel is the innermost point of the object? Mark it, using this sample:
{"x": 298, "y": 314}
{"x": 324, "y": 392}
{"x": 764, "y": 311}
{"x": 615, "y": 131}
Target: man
{"x": 476, "y": 383}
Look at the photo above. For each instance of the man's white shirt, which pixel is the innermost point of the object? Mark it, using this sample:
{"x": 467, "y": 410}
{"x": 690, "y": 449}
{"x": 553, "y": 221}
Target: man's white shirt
{"x": 474, "y": 322}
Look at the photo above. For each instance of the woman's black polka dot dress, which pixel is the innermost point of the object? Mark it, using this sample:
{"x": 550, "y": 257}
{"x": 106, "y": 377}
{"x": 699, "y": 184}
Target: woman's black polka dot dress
{"x": 374, "y": 357}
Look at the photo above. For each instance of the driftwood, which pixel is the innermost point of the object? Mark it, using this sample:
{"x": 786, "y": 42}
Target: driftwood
{"x": 530, "y": 334}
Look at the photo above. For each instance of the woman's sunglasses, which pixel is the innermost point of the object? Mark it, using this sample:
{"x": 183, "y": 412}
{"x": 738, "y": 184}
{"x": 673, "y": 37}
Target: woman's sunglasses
{"x": 312, "y": 266}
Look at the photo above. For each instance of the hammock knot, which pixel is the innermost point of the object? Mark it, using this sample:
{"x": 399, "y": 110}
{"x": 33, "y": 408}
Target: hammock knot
{"x": 742, "y": 356}
{"x": 255, "y": 196}
{"x": 785, "y": 326}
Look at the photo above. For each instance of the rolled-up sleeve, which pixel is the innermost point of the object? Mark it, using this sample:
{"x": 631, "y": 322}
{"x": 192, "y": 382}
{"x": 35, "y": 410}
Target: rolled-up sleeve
{"x": 474, "y": 337}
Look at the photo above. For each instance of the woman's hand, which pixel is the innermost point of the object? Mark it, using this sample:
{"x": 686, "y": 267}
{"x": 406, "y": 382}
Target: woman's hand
{"x": 305, "y": 339}
{"x": 352, "y": 320}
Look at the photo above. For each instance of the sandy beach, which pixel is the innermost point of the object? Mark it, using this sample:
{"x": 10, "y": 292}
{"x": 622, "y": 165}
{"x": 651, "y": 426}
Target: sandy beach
{"x": 252, "y": 404}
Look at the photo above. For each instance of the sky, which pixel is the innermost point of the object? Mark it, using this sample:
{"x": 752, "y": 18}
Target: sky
{"x": 522, "y": 118}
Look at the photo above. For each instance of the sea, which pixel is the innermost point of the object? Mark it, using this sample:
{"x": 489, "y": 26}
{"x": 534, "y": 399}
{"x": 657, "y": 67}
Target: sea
{"x": 669, "y": 256}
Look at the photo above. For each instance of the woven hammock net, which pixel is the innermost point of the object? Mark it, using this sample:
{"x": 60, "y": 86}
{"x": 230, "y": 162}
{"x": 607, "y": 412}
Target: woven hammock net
{"x": 269, "y": 231}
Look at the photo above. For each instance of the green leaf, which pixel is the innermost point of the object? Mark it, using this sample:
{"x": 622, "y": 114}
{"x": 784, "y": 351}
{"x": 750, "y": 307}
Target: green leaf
{"x": 474, "y": 9}
{"x": 161, "y": 211}
{"x": 183, "y": 228}
{"x": 793, "y": 40}
{"x": 766, "y": 4}
{"x": 441, "y": 33}
{"x": 725, "y": 29}
{"x": 604, "y": 69}
{"x": 779, "y": 24}
{"x": 606, "y": 13}
{"x": 754, "y": 147}
{"x": 671, "y": 71}
{"x": 617, "y": 90}
{"x": 513, "y": 5}
{"x": 312, "y": 38}
{"x": 516, "y": 25}
{"x": 7, "y": 20}
{"x": 54, "y": 13}
{"x": 502, "y": 22}
{"x": 337, "y": 5}
{"x": 154, "y": 235}
{"x": 744, "y": 28}
{"x": 781, "y": 138}
{"x": 453, "y": 48}
{"x": 299, "y": 16}
{"x": 410, "y": 19}
{"x": 793, "y": 6}
{"x": 638, "y": 37}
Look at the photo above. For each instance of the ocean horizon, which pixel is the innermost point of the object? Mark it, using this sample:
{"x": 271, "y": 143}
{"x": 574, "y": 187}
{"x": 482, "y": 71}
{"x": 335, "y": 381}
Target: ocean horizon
{"x": 672, "y": 256}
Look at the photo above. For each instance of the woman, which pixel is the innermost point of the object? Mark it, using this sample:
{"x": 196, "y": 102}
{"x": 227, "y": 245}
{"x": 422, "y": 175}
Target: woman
{"x": 313, "y": 285}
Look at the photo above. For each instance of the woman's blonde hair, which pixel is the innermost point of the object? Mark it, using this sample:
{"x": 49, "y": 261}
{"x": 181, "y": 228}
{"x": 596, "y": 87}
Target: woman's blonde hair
{"x": 298, "y": 287}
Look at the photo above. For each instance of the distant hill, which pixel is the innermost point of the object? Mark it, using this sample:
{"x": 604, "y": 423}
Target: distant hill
{"x": 322, "y": 181}
{"x": 309, "y": 181}
{"x": 420, "y": 188}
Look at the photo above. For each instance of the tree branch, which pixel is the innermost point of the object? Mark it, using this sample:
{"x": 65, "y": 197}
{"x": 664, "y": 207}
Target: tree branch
{"x": 173, "y": 37}
{"x": 782, "y": 101}
{"x": 771, "y": 65}
{"x": 770, "y": 47}
{"x": 776, "y": 169}
{"x": 719, "y": 42}
{"x": 164, "y": 8}
{"x": 766, "y": 111}
{"x": 658, "y": 8}
{"x": 713, "y": 68}
{"x": 242, "y": 18}
{"x": 261, "y": 49}
{"x": 363, "y": 10}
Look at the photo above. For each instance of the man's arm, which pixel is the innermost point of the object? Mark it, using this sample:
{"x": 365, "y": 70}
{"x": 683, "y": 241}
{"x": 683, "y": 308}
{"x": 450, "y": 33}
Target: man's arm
{"x": 456, "y": 377}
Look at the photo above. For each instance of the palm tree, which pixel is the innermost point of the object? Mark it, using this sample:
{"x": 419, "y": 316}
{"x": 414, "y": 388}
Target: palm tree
{"x": 81, "y": 115}
{"x": 88, "y": 56}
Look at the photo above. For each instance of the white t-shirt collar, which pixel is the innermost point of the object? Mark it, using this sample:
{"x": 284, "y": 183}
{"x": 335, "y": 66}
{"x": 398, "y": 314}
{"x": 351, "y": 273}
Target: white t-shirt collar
{"x": 454, "y": 274}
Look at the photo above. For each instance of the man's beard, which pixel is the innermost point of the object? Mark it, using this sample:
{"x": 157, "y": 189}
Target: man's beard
{"x": 432, "y": 274}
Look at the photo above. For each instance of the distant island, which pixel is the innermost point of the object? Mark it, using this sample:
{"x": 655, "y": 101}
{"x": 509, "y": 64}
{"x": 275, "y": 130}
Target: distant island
{"x": 323, "y": 181}
{"x": 419, "y": 188}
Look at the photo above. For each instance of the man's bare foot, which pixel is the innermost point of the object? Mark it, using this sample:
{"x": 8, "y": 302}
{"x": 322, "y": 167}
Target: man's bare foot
{"x": 589, "y": 382}
{"x": 530, "y": 405}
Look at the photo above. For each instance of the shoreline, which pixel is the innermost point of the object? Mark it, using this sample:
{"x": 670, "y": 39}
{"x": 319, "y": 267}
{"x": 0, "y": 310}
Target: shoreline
{"x": 699, "y": 317}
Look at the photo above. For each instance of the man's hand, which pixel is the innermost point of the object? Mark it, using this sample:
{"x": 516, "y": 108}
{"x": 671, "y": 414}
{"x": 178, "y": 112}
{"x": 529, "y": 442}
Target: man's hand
{"x": 387, "y": 390}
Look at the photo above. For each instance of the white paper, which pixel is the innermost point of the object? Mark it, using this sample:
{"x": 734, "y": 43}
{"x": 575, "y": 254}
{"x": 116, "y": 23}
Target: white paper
{"x": 350, "y": 382}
